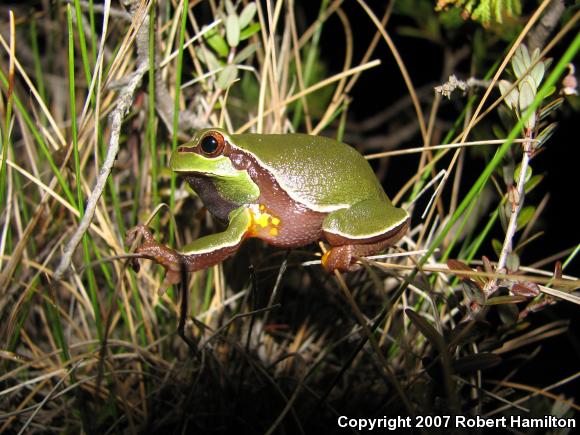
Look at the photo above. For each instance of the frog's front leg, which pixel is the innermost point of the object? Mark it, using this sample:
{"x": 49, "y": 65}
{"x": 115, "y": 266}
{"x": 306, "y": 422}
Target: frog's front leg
{"x": 363, "y": 229}
{"x": 199, "y": 254}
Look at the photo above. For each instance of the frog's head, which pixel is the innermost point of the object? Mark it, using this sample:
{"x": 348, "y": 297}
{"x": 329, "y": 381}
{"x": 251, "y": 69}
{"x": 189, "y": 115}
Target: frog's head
{"x": 207, "y": 153}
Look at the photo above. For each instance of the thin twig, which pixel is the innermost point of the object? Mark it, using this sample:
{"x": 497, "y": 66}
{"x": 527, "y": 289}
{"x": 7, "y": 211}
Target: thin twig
{"x": 517, "y": 207}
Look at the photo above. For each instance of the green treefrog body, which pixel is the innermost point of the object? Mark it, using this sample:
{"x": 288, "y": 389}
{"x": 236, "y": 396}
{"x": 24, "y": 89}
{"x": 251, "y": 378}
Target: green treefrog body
{"x": 286, "y": 189}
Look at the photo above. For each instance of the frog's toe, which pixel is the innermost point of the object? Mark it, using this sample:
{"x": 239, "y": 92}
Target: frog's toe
{"x": 339, "y": 258}
{"x": 141, "y": 230}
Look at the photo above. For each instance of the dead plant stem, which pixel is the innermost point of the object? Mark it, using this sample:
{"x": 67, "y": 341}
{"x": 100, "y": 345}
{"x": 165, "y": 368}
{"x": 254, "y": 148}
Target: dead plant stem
{"x": 516, "y": 208}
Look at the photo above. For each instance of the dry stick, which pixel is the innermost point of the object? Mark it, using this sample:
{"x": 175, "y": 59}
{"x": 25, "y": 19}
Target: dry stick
{"x": 568, "y": 284}
{"x": 439, "y": 147}
{"x": 124, "y": 103}
{"x": 537, "y": 38}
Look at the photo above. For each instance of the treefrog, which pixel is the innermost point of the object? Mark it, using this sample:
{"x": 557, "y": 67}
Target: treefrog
{"x": 286, "y": 189}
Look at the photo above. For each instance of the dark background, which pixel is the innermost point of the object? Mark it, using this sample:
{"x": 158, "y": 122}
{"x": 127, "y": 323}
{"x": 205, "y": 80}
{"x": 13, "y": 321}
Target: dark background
{"x": 383, "y": 86}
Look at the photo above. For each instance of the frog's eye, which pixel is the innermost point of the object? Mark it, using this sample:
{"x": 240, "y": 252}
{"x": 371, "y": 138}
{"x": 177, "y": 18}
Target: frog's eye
{"x": 212, "y": 144}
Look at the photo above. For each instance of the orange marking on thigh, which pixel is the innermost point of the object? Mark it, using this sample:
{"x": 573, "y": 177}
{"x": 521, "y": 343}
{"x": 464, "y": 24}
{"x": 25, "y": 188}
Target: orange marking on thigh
{"x": 264, "y": 224}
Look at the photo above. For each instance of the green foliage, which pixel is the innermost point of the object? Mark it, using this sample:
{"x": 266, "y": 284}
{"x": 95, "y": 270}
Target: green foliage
{"x": 529, "y": 70}
{"x": 221, "y": 55}
{"x": 484, "y": 11}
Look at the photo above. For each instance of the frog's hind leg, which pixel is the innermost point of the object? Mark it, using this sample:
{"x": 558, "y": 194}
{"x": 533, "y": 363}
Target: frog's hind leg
{"x": 363, "y": 229}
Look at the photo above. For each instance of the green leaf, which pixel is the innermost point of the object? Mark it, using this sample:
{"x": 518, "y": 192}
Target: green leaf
{"x": 217, "y": 42}
{"x": 473, "y": 291}
{"x": 518, "y": 66}
{"x": 245, "y": 53}
{"x": 507, "y": 172}
{"x": 247, "y": 15}
{"x": 530, "y": 82}
{"x": 458, "y": 266}
{"x": 483, "y": 12}
{"x": 517, "y": 173}
{"x": 525, "y": 215}
{"x": 537, "y": 73}
{"x": 474, "y": 362}
{"x": 550, "y": 107}
{"x": 498, "y": 132}
{"x": 249, "y": 31}
{"x": 530, "y": 121}
{"x": 233, "y": 30}
{"x": 501, "y": 300}
{"x": 525, "y": 55}
{"x": 505, "y": 214}
{"x": 206, "y": 56}
{"x": 512, "y": 262}
{"x": 545, "y": 134}
{"x": 227, "y": 76}
{"x": 527, "y": 94}
{"x": 230, "y": 8}
{"x": 496, "y": 245}
{"x": 498, "y": 11}
{"x": 510, "y": 99}
{"x": 426, "y": 329}
{"x": 468, "y": 331}
{"x": 534, "y": 181}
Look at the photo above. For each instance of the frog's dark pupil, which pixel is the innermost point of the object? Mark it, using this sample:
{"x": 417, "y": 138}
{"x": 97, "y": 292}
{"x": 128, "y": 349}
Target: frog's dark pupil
{"x": 209, "y": 144}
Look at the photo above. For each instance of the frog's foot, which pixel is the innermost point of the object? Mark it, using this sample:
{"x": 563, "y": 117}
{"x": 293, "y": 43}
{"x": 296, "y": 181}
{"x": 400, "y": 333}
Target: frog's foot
{"x": 363, "y": 229}
{"x": 339, "y": 258}
{"x": 343, "y": 258}
{"x": 172, "y": 261}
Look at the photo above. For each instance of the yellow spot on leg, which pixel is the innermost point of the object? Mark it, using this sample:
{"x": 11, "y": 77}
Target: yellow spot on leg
{"x": 324, "y": 258}
{"x": 263, "y": 223}
{"x": 262, "y": 220}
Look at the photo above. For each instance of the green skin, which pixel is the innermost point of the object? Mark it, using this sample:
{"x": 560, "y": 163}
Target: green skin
{"x": 288, "y": 190}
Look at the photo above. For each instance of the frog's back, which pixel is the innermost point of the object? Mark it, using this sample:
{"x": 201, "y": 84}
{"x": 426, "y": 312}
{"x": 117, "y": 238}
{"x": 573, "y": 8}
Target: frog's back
{"x": 319, "y": 172}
